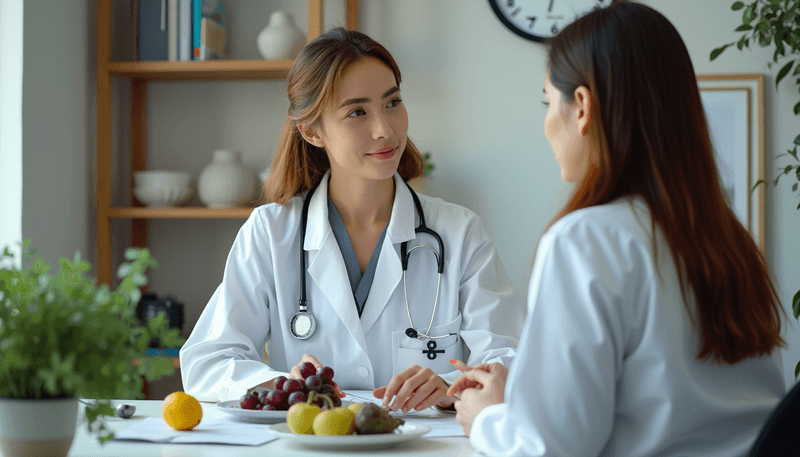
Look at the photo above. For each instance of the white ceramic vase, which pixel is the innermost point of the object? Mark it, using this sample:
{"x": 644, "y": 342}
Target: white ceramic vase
{"x": 37, "y": 427}
{"x": 280, "y": 39}
{"x": 225, "y": 182}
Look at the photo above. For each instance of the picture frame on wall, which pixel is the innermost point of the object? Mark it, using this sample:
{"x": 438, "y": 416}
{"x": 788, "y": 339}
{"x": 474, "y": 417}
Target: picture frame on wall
{"x": 734, "y": 108}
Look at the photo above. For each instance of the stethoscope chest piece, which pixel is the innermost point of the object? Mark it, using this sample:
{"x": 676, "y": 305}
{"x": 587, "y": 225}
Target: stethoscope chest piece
{"x": 303, "y": 324}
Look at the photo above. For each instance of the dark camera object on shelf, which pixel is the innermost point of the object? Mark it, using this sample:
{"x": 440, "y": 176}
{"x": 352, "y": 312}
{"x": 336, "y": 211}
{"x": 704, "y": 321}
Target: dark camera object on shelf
{"x": 150, "y": 305}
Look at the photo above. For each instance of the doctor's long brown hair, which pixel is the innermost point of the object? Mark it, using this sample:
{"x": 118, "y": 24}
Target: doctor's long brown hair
{"x": 311, "y": 85}
{"x": 652, "y": 140}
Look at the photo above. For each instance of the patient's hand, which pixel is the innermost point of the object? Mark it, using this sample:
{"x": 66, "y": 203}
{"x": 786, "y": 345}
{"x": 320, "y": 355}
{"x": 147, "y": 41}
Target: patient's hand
{"x": 465, "y": 382}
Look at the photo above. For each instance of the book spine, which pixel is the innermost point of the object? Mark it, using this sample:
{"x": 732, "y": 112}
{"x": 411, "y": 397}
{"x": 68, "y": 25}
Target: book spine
{"x": 196, "y": 29}
{"x": 212, "y": 29}
{"x": 172, "y": 29}
{"x": 185, "y": 30}
{"x": 153, "y": 30}
{"x": 135, "y": 27}
{"x": 212, "y": 40}
{"x": 203, "y": 39}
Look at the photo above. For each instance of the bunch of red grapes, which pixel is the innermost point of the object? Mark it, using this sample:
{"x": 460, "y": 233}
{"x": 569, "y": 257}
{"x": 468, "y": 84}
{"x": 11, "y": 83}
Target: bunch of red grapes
{"x": 287, "y": 392}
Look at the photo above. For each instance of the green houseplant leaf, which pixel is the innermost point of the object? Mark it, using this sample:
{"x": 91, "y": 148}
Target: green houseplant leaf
{"x": 63, "y": 336}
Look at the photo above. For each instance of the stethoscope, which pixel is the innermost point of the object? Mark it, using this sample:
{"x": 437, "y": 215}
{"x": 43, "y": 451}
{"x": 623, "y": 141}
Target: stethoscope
{"x": 303, "y": 324}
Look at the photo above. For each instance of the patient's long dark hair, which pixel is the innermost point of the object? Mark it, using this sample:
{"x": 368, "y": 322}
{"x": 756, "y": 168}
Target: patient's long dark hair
{"x": 653, "y": 141}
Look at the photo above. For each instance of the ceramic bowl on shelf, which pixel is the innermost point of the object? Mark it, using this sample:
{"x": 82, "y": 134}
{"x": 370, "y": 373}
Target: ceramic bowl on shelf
{"x": 163, "y": 179}
{"x": 163, "y": 196}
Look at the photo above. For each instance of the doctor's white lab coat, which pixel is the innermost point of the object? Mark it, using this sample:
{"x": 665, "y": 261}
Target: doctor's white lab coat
{"x": 260, "y": 292}
{"x": 607, "y": 359}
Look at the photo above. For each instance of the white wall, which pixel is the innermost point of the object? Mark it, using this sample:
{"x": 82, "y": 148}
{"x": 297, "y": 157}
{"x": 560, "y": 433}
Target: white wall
{"x": 472, "y": 89}
{"x": 58, "y": 128}
{"x": 11, "y": 21}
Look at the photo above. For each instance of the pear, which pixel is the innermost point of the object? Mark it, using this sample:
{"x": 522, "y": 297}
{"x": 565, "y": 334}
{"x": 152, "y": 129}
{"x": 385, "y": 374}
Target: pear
{"x": 337, "y": 421}
{"x": 301, "y": 417}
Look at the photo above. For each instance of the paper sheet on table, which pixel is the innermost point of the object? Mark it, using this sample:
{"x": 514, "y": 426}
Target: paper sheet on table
{"x": 213, "y": 430}
{"x": 442, "y": 424}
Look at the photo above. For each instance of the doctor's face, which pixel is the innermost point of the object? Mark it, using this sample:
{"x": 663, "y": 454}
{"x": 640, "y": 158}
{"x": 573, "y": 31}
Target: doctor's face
{"x": 563, "y": 134}
{"x": 364, "y": 130}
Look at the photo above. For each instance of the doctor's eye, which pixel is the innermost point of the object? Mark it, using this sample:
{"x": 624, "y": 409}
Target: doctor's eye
{"x": 395, "y": 102}
{"x": 356, "y": 112}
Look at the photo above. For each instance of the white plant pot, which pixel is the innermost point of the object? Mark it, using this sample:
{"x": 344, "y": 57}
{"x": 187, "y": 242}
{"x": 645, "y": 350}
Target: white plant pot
{"x": 280, "y": 39}
{"x": 225, "y": 182}
{"x": 31, "y": 428}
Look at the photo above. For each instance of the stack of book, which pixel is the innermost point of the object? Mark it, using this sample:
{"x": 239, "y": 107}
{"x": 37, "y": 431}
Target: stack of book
{"x": 179, "y": 29}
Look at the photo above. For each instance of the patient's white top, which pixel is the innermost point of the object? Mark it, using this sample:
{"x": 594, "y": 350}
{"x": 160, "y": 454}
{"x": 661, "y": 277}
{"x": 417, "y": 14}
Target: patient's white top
{"x": 607, "y": 360}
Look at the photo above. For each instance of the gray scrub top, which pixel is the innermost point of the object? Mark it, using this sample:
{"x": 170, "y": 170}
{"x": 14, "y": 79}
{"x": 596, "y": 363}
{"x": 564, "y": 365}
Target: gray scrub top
{"x": 358, "y": 282}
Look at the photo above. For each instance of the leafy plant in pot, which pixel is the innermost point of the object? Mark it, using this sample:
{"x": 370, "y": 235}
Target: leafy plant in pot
{"x": 775, "y": 23}
{"x": 62, "y": 338}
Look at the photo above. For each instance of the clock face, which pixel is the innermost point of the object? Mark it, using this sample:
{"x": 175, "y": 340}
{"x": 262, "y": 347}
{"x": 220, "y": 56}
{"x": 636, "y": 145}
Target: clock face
{"x": 538, "y": 20}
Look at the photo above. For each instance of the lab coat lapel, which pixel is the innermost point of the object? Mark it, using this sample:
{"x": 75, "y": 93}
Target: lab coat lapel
{"x": 326, "y": 265}
{"x": 389, "y": 271}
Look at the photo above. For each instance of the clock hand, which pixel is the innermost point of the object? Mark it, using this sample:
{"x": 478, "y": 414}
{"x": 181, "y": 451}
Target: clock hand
{"x": 550, "y": 7}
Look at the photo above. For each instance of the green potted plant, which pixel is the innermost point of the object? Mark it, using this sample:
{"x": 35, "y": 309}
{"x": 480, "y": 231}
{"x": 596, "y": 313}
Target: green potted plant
{"x": 63, "y": 338}
{"x": 775, "y": 23}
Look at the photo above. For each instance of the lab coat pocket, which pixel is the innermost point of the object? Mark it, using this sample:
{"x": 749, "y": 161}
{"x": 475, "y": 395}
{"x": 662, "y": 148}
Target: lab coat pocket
{"x": 434, "y": 354}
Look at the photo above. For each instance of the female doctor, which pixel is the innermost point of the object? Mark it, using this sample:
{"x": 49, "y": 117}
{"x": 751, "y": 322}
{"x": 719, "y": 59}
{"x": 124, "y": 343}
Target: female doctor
{"x": 653, "y": 325}
{"x": 330, "y": 271}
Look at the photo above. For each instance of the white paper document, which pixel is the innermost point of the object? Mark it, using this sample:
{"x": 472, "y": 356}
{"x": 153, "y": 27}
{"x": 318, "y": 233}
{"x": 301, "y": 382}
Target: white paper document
{"x": 216, "y": 430}
{"x": 361, "y": 396}
{"x": 440, "y": 426}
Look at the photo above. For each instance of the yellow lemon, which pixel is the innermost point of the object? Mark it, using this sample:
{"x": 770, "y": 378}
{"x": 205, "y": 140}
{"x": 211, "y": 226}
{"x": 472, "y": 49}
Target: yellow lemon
{"x": 337, "y": 421}
{"x": 181, "y": 411}
{"x": 300, "y": 418}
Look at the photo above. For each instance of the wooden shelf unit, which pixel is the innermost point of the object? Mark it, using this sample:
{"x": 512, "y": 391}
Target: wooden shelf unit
{"x": 182, "y": 212}
{"x": 218, "y": 70}
{"x": 140, "y": 73}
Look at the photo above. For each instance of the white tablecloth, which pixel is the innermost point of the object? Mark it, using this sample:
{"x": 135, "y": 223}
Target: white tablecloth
{"x": 88, "y": 446}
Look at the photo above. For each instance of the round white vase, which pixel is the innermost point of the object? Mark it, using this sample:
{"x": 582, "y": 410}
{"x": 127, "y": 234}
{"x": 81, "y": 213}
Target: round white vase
{"x": 37, "y": 427}
{"x": 225, "y": 182}
{"x": 280, "y": 39}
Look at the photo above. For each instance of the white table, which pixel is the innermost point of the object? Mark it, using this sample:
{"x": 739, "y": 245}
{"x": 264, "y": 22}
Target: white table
{"x": 86, "y": 445}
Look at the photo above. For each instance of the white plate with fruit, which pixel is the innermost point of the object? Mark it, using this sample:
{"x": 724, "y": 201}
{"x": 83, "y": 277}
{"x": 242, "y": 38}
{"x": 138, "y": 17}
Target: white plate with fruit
{"x": 268, "y": 406}
{"x": 233, "y": 408}
{"x": 403, "y": 433}
{"x": 360, "y": 425}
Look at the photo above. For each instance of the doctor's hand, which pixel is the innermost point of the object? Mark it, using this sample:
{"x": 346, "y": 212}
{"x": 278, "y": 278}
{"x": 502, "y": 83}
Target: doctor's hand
{"x": 488, "y": 391}
{"x": 415, "y": 388}
{"x": 464, "y": 383}
{"x": 296, "y": 374}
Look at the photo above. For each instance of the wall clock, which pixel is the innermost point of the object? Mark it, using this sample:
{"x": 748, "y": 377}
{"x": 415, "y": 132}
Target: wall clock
{"x": 539, "y": 20}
